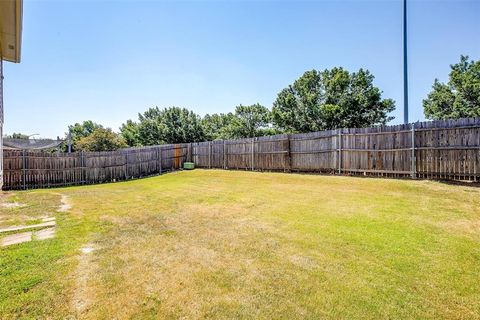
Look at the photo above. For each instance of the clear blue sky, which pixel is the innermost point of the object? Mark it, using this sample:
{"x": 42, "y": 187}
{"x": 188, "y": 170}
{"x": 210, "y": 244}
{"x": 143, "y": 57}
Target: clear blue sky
{"x": 107, "y": 61}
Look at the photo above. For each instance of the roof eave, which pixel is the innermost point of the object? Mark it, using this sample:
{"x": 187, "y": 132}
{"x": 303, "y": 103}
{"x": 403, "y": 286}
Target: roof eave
{"x": 18, "y": 27}
{"x": 8, "y": 53}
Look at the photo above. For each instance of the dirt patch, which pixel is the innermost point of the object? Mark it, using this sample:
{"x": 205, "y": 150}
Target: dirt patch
{"x": 64, "y": 204}
{"x": 44, "y": 234}
{"x": 463, "y": 226}
{"x": 12, "y": 205}
{"x": 83, "y": 297}
{"x": 303, "y": 262}
{"x": 87, "y": 250}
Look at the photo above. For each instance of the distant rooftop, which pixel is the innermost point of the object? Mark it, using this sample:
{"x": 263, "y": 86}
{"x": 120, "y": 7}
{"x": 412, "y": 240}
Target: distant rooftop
{"x": 31, "y": 144}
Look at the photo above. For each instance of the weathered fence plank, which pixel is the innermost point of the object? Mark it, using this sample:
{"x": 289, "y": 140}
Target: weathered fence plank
{"x": 447, "y": 149}
{"x": 38, "y": 169}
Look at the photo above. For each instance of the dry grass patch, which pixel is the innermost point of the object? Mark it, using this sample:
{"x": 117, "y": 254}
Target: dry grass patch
{"x": 217, "y": 244}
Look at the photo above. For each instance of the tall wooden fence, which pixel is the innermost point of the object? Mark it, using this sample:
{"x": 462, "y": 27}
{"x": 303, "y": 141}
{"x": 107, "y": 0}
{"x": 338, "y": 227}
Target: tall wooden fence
{"x": 447, "y": 150}
{"x": 34, "y": 169}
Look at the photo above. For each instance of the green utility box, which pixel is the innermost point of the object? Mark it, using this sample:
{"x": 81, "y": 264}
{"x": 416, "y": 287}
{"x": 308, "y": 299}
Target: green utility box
{"x": 188, "y": 165}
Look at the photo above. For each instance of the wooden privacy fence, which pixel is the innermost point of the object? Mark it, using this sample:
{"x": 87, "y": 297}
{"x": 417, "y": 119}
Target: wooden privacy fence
{"x": 35, "y": 169}
{"x": 447, "y": 149}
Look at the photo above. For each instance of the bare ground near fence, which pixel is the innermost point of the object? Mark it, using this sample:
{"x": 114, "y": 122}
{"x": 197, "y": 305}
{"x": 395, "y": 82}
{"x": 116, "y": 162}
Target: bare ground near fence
{"x": 446, "y": 149}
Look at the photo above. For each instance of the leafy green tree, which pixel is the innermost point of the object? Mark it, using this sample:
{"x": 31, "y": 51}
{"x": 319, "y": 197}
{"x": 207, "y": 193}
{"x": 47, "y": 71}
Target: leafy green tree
{"x": 130, "y": 133}
{"x": 216, "y": 126}
{"x": 82, "y": 130}
{"x": 329, "y": 99}
{"x": 249, "y": 121}
{"x": 181, "y": 125}
{"x": 460, "y": 97}
{"x": 150, "y": 127}
{"x": 169, "y": 125}
{"x": 101, "y": 139}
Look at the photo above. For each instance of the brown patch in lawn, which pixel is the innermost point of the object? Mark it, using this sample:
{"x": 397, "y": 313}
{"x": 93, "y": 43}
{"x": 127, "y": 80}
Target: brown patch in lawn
{"x": 168, "y": 264}
{"x": 468, "y": 226}
{"x": 12, "y": 205}
{"x": 64, "y": 204}
{"x": 303, "y": 262}
{"x": 83, "y": 294}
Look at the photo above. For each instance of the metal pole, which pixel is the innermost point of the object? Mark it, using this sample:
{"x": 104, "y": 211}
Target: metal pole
{"x": 405, "y": 64}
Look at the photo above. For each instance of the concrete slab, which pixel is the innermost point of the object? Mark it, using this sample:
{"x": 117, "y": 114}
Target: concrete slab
{"x": 16, "y": 238}
{"x": 44, "y": 234}
{"x": 33, "y": 226}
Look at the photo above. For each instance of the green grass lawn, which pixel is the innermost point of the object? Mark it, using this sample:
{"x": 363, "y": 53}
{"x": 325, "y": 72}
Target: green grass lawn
{"x": 225, "y": 244}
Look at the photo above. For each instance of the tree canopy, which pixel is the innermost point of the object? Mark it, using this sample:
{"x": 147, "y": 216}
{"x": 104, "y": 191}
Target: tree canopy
{"x": 329, "y": 99}
{"x": 249, "y": 121}
{"x": 130, "y": 133}
{"x": 217, "y": 126}
{"x": 158, "y": 126}
{"x": 101, "y": 139}
{"x": 82, "y": 130}
{"x": 460, "y": 97}
{"x": 246, "y": 122}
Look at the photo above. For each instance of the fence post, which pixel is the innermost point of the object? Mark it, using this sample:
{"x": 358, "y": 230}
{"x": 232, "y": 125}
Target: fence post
{"x": 64, "y": 170}
{"x": 253, "y": 153}
{"x": 157, "y": 165}
{"x": 160, "y": 160}
{"x": 82, "y": 164}
{"x": 413, "y": 159}
{"x": 126, "y": 164}
{"x": 340, "y": 151}
{"x": 190, "y": 152}
{"x": 24, "y": 169}
{"x": 224, "y": 155}
{"x": 288, "y": 160}
{"x": 209, "y": 154}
